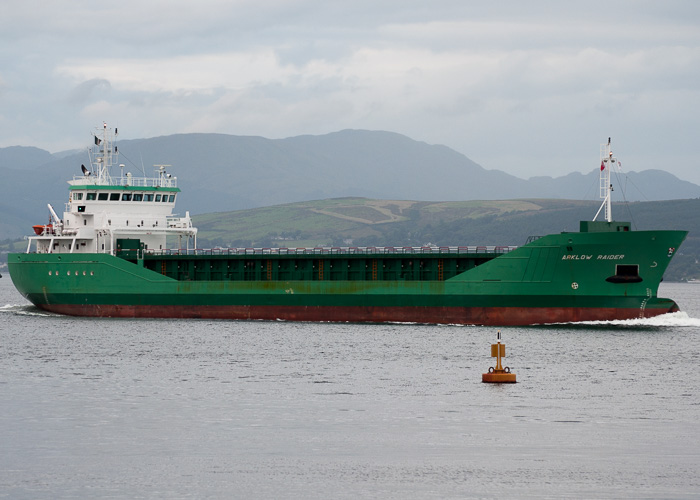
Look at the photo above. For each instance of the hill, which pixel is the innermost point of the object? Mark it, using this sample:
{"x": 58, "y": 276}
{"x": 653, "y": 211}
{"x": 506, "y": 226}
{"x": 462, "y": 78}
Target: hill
{"x": 369, "y": 222}
{"x": 223, "y": 172}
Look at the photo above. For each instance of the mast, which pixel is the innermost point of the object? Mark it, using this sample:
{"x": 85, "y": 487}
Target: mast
{"x": 607, "y": 160}
{"x": 104, "y": 154}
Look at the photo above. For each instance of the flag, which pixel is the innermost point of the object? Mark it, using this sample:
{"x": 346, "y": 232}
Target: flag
{"x": 602, "y": 165}
{"x": 97, "y": 141}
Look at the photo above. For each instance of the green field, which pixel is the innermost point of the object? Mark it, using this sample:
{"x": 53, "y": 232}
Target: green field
{"x": 362, "y": 220}
{"x": 368, "y": 222}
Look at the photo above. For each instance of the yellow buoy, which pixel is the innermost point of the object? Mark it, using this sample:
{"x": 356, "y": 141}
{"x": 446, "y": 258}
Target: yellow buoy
{"x": 499, "y": 374}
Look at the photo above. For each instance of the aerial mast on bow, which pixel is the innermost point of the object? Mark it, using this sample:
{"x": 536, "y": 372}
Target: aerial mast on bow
{"x": 607, "y": 160}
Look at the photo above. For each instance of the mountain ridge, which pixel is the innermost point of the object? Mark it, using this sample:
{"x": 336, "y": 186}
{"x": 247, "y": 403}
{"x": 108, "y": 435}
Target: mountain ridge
{"x": 221, "y": 172}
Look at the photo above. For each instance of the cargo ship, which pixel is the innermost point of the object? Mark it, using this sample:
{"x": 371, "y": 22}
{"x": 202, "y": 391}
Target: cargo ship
{"x": 110, "y": 255}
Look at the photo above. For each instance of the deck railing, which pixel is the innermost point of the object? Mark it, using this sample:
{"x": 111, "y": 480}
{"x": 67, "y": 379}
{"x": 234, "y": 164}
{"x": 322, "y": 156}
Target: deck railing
{"x": 169, "y": 182}
{"x": 337, "y": 250}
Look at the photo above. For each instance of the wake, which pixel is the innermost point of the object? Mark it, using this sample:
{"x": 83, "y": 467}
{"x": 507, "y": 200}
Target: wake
{"x": 23, "y": 310}
{"x": 670, "y": 320}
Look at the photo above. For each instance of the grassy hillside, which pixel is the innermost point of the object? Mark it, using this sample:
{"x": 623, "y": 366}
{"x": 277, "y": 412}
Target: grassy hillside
{"x": 366, "y": 222}
{"x": 362, "y": 221}
{"x": 357, "y": 221}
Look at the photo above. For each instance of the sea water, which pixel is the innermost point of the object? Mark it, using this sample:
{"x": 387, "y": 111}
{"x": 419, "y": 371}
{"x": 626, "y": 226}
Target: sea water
{"x": 119, "y": 408}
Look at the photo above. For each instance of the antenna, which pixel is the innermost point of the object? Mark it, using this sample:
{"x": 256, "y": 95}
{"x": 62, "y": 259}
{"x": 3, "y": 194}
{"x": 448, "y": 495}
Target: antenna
{"x": 143, "y": 169}
{"x": 162, "y": 174}
{"x": 102, "y": 155}
{"x": 607, "y": 160}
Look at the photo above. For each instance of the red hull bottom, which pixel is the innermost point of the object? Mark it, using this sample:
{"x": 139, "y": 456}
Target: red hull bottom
{"x": 502, "y": 316}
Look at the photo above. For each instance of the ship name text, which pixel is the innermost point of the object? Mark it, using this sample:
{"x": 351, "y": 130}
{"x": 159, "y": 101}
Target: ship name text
{"x": 590, "y": 257}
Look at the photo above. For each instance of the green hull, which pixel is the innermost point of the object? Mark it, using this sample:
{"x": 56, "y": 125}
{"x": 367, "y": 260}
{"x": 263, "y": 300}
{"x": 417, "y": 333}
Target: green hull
{"x": 597, "y": 275}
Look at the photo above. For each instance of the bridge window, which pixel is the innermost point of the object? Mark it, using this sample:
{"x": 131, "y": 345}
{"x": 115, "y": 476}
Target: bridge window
{"x": 102, "y": 196}
{"x": 138, "y": 197}
{"x": 91, "y": 196}
{"x": 77, "y": 196}
{"x": 148, "y": 197}
{"x": 126, "y": 197}
{"x": 114, "y": 197}
{"x": 172, "y": 198}
{"x": 157, "y": 198}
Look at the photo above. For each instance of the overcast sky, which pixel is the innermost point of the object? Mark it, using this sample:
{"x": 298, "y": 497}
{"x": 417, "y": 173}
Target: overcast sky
{"x": 528, "y": 87}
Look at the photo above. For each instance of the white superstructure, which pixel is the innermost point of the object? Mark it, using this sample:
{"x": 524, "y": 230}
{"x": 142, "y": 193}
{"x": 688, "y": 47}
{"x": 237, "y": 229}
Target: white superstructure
{"x": 103, "y": 208}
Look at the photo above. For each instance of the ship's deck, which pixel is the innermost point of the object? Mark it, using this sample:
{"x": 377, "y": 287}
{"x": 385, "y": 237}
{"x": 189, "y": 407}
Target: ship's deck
{"x": 372, "y": 250}
{"x": 318, "y": 264}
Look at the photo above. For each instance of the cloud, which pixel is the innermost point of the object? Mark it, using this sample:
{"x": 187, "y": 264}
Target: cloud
{"x": 501, "y": 82}
{"x": 83, "y": 91}
{"x": 180, "y": 73}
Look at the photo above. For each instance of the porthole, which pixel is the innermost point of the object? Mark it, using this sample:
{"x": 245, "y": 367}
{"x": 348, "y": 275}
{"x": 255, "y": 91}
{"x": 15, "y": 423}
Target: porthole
{"x": 67, "y": 273}
{"x": 49, "y": 273}
{"x": 84, "y": 273}
{"x": 92, "y": 273}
